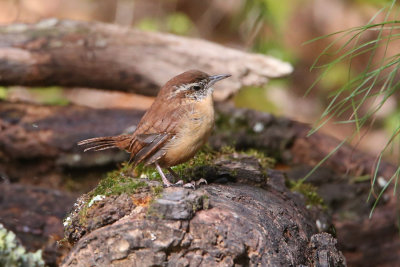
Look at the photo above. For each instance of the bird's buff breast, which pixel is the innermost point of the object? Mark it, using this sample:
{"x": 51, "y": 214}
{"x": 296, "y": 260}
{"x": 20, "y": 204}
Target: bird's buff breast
{"x": 194, "y": 130}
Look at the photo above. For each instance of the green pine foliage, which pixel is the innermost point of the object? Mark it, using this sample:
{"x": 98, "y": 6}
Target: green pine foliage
{"x": 363, "y": 94}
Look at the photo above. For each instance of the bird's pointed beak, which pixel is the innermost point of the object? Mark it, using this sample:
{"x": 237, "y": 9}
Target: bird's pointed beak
{"x": 216, "y": 78}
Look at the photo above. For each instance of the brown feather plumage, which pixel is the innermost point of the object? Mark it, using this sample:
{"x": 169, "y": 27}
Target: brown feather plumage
{"x": 162, "y": 117}
{"x": 175, "y": 126}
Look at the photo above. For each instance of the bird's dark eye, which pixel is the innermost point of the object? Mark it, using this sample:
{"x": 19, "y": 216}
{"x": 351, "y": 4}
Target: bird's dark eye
{"x": 196, "y": 87}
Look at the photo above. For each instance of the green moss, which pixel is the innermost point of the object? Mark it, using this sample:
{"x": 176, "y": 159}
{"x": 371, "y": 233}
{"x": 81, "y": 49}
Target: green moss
{"x": 149, "y": 172}
{"x": 199, "y": 164}
{"x": 157, "y": 190}
{"x": 203, "y": 157}
{"x": 265, "y": 162}
{"x": 123, "y": 180}
{"x": 83, "y": 215}
{"x": 309, "y": 191}
{"x": 227, "y": 150}
{"x": 118, "y": 182}
{"x": 115, "y": 183}
{"x": 205, "y": 160}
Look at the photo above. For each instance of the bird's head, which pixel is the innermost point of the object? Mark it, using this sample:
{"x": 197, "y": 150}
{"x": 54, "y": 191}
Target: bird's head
{"x": 192, "y": 84}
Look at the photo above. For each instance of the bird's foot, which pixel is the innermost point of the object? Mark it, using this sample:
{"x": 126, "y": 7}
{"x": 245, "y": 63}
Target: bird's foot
{"x": 193, "y": 184}
{"x": 180, "y": 183}
{"x": 201, "y": 181}
{"x": 187, "y": 185}
{"x": 167, "y": 183}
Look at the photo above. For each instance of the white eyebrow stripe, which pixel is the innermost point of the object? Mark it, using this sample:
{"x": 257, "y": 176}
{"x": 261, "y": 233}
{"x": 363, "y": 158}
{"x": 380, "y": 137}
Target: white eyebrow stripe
{"x": 181, "y": 88}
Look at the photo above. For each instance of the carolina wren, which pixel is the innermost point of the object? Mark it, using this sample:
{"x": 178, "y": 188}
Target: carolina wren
{"x": 175, "y": 127}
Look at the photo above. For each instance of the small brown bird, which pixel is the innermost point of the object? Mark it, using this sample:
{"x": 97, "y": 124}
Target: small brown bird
{"x": 175, "y": 127}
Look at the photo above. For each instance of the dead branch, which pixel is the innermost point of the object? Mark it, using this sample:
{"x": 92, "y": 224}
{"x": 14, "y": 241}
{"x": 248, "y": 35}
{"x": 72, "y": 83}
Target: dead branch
{"x": 98, "y": 55}
{"x": 29, "y": 131}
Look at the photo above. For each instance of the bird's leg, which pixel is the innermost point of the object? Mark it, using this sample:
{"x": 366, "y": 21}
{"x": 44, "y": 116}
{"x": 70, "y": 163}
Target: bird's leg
{"x": 167, "y": 183}
{"x": 164, "y": 179}
{"x": 174, "y": 174}
{"x": 199, "y": 182}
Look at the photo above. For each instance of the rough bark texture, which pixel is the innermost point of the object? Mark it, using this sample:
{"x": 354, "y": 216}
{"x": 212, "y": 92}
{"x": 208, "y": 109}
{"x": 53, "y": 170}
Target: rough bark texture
{"x": 241, "y": 218}
{"x": 48, "y": 131}
{"x": 52, "y": 132}
{"x": 363, "y": 241}
{"x": 81, "y": 54}
{"x": 287, "y": 141}
{"x": 228, "y": 224}
{"x": 61, "y": 127}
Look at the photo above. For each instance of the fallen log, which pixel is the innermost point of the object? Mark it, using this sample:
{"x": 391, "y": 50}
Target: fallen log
{"x": 282, "y": 138}
{"x": 97, "y": 55}
{"x": 53, "y": 131}
{"x": 30, "y": 131}
{"x": 232, "y": 224}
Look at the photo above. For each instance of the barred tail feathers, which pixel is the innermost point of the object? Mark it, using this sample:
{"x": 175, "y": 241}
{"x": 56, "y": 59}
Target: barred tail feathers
{"x": 102, "y": 143}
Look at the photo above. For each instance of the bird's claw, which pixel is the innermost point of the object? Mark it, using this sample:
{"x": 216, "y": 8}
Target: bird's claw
{"x": 179, "y": 183}
{"x": 191, "y": 185}
{"x": 201, "y": 181}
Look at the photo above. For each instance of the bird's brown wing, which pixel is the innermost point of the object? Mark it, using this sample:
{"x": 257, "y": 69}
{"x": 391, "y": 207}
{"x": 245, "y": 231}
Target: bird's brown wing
{"x": 155, "y": 129}
{"x": 145, "y": 150}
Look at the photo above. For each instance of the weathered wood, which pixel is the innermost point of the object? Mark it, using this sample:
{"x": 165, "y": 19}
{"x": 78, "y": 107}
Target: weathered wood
{"x": 246, "y": 129}
{"x": 31, "y": 131}
{"x": 98, "y": 55}
{"x": 217, "y": 225}
{"x": 364, "y": 241}
{"x": 48, "y": 131}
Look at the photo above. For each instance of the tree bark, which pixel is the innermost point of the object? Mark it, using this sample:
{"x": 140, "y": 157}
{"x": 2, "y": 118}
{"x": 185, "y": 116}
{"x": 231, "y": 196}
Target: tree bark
{"x": 228, "y": 224}
{"x": 35, "y": 132}
{"x": 30, "y": 131}
{"x": 81, "y": 54}
{"x": 97, "y": 55}
{"x": 53, "y": 131}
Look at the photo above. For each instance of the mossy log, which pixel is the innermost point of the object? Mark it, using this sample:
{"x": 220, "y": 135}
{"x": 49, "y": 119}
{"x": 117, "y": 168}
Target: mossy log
{"x": 53, "y": 131}
{"x": 53, "y": 136}
{"x": 235, "y": 223}
{"x": 97, "y": 55}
